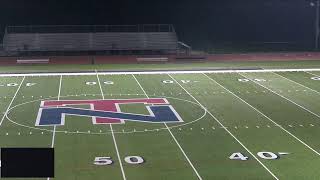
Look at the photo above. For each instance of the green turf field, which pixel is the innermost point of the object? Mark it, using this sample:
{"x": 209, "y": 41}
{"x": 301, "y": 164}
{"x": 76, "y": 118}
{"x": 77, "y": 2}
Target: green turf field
{"x": 236, "y": 126}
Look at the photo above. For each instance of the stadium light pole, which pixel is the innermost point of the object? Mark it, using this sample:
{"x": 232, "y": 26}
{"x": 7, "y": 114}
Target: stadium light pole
{"x": 316, "y": 4}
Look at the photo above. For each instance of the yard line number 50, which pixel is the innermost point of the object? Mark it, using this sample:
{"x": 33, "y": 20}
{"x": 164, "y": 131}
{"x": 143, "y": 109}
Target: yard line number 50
{"x": 104, "y": 161}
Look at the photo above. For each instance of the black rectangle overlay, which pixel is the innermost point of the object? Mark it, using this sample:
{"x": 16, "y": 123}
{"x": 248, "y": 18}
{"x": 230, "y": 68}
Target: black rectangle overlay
{"x": 27, "y": 162}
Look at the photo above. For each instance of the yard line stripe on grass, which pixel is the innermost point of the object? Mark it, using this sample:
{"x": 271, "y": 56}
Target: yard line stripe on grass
{"x": 305, "y": 144}
{"x": 112, "y": 133}
{"x": 140, "y": 86}
{"x": 312, "y": 73}
{"x": 54, "y": 128}
{"x": 58, "y": 98}
{"x": 118, "y": 154}
{"x": 101, "y": 91}
{"x": 264, "y": 166}
{"x": 297, "y": 83}
{"x": 174, "y": 138}
{"x": 4, "y": 115}
{"x": 53, "y": 135}
{"x": 59, "y": 87}
{"x": 283, "y": 97}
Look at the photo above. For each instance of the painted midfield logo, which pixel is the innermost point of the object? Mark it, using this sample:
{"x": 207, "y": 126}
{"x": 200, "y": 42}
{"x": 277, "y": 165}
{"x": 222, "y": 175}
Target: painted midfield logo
{"x": 108, "y": 111}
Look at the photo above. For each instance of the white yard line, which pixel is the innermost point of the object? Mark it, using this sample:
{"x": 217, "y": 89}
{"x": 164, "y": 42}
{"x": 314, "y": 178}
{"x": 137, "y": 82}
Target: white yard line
{"x": 60, "y": 82}
{"x": 113, "y": 136}
{"x": 4, "y": 115}
{"x": 101, "y": 91}
{"x": 118, "y": 154}
{"x": 53, "y": 136}
{"x": 173, "y": 137}
{"x": 140, "y": 86}
{"x": 54, "y": 128}
{"x": 283, "y": 96}
{"x": 297, "y": 83}
{"x": 183, "y": 152}
{"x": 305, "y": 144}
{"x": 265, "y": 167}
{"x": 312, "y": 74}
{"x": 156, "y": 72}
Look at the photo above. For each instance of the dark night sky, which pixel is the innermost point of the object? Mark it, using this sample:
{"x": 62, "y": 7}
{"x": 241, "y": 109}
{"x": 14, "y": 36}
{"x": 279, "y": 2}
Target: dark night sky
{"x": 196, "y": 21}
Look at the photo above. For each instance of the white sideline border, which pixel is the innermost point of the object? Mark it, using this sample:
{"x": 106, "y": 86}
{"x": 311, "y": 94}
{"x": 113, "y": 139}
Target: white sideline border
{"x": 157, "y": 72}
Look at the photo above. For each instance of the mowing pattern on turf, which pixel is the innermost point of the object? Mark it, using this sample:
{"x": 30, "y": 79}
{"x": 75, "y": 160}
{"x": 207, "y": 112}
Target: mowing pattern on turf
{"x": 205, "y": 125}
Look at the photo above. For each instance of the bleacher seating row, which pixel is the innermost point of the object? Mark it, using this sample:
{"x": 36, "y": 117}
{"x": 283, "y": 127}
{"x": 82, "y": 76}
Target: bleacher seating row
{"x": 101, "y": 41}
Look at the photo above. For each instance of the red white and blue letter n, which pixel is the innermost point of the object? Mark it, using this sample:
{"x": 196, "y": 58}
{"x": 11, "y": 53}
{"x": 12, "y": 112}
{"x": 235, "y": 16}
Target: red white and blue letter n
{"x": 52, "y": 113}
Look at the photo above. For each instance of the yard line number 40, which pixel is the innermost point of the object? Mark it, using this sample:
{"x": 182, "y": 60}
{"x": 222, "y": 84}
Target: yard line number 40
{"x": 263, "y": 155}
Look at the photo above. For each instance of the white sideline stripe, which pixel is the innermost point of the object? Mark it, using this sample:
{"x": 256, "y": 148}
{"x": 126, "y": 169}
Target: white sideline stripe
{"x": 226, "y": 129}
{"x": 112, "y": 133}
{"x": 4, "y": 115}
{"x": 54, "y": 128}
{"x": 283, "y": 97}
{"x": 174, "y": 138}
{"x": 297, "y": 83}
{"x": 278, "y": 125}
{"x": 156, "y": 72}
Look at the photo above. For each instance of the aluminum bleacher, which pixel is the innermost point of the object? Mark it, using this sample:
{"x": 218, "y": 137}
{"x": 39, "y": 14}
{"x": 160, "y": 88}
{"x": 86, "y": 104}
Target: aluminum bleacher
{"x": 90, "y": 38}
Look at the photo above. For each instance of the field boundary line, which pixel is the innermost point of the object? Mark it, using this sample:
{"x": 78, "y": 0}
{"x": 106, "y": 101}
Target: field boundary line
{"x": 282, "y": 96}
{"x": 15, "y": 94}
{"x": 296, "y": 83}
{"x": 174, "y": 138}
{"x": 155, "y": 72}
{"x": 113, "y": 136}
{"x": 264, "y": 166}
{"x": 302, "y": 142}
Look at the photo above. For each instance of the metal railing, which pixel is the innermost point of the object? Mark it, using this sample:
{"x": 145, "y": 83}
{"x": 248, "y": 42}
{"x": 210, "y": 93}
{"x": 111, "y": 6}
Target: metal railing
{"x": 90, "y": 28}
